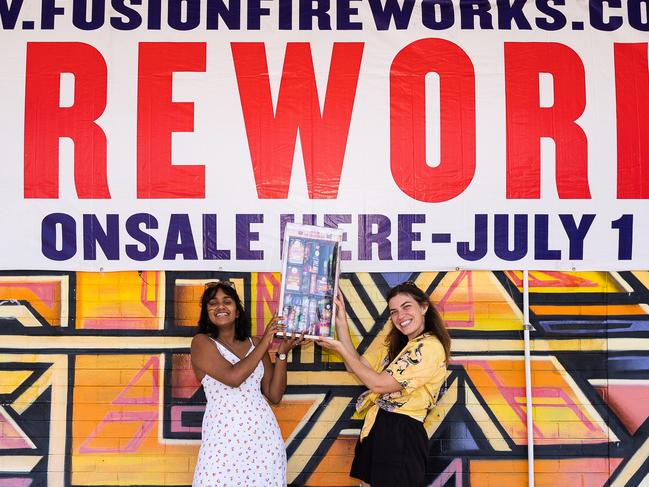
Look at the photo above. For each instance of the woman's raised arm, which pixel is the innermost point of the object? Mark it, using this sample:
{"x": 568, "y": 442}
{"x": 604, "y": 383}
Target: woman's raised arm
{"x": 206, "y": 358}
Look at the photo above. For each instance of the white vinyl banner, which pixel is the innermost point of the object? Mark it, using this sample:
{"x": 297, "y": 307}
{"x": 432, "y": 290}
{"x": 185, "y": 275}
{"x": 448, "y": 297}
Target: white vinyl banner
{"x": 437, "y": 134}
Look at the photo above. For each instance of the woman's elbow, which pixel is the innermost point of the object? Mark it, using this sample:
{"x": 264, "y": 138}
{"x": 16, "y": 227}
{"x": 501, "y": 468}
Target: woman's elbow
{"x": 382, "y": 389}
{"x": 274, "y": 400}
{"x": 377, "y": 389}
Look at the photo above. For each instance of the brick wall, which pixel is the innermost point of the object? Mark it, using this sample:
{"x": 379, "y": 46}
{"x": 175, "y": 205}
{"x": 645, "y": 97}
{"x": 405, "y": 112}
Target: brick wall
{"x": 96, "y": 387}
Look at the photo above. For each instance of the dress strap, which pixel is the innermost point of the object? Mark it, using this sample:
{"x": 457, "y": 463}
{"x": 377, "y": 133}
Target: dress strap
{"x": 219, "y": 345}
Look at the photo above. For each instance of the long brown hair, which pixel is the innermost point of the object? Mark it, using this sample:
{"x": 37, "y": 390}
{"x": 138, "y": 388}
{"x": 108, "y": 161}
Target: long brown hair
{"x": 433, "y": 323}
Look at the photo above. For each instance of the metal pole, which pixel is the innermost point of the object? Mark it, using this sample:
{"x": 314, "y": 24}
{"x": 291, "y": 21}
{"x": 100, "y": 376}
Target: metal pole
{"x": 528, "y": 381}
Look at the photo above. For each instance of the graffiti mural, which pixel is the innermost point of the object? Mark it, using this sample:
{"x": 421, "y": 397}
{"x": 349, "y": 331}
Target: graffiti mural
{"x": 96, "y": 387}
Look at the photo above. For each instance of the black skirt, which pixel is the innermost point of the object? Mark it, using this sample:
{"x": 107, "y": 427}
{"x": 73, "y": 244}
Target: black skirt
{"x": 393, "y": 454}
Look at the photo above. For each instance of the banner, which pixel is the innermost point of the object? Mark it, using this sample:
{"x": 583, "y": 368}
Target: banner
{"x": 437, "y": 134}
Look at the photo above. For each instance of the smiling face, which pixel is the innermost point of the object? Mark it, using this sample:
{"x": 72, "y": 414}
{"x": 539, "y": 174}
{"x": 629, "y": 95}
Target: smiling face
{"x": 407, "y": 315}
{"x": 222, "y": 309}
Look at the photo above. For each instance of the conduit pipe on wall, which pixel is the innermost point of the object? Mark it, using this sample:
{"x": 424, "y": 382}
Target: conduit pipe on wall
{"x": 527, "y": 327}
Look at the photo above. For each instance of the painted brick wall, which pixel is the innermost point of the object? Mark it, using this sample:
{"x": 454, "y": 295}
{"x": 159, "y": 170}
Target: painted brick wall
{"x": 96, "y": 387}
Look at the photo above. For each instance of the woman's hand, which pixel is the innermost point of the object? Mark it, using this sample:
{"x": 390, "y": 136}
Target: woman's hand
{"x": 289, "y": 342}
{"x": 330, "y": 344}
{"x": 275, "y": 325}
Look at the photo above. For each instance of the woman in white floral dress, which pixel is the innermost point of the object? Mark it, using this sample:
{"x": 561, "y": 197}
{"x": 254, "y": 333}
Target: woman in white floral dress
{"x": 241, "y": 441}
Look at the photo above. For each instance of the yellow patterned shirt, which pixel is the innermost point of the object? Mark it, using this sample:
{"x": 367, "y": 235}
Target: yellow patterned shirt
{"x": 420, "y": 368}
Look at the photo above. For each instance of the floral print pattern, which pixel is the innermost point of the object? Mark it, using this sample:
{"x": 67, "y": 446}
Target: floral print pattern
{"x": 408, "y": 357}
{"x": 420, "y": 368}
{"x": 242, "y": 444}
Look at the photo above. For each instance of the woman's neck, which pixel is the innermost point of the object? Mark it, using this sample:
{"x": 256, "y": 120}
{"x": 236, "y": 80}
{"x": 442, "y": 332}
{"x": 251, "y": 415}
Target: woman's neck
{"x": 227, "y": 335}
{"x": 423, "y": 333}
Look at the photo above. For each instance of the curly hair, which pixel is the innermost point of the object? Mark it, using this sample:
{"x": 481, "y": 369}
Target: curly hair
{"x": 242, "y": 322}
{"x": 433, "y": 323}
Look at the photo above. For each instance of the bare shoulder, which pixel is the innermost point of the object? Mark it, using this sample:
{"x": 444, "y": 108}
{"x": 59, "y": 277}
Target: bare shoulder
{"x": 255, "y": 340}
{"x": 200, "y": 340}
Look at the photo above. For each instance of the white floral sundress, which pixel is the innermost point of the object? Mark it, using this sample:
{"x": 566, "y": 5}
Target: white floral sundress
{"x": 242, "y": 445}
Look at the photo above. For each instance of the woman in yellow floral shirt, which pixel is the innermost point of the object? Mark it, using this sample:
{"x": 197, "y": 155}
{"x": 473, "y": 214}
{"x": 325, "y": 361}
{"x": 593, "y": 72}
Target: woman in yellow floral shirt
{"x": 404, "y": 378}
